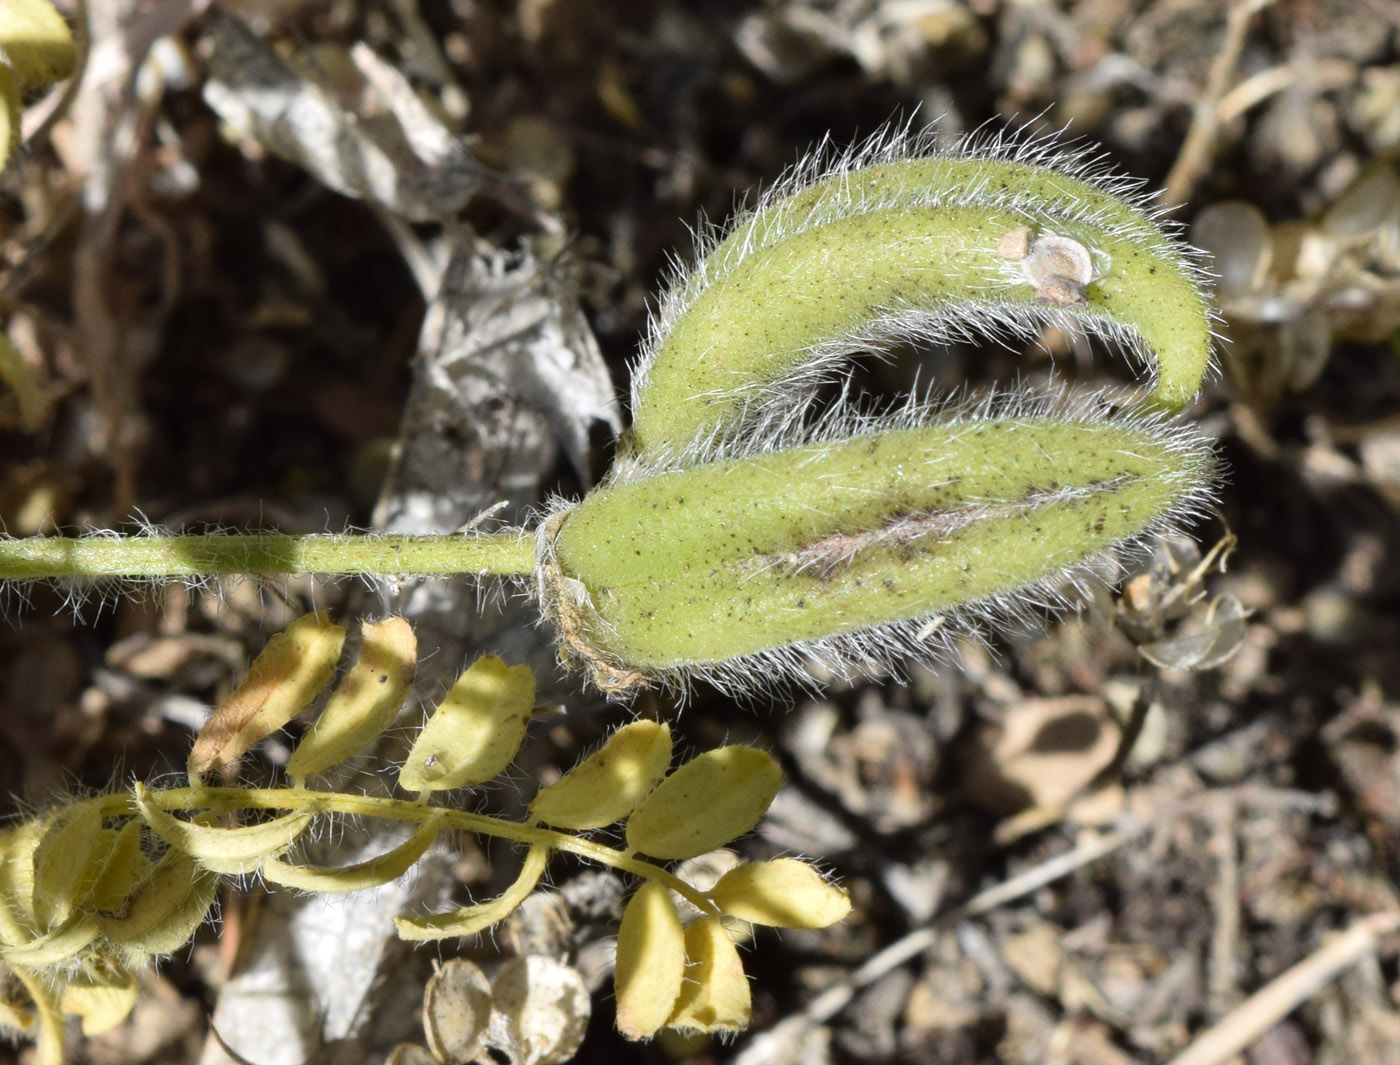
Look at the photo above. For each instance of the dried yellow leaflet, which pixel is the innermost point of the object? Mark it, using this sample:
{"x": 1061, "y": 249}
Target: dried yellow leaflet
{"x": 715, "y": 995}
{"x": 226, "y": 850}
{"x": 282, "y": 681}
{"x": 66, "y": 863}
{"x": 783, "y": 893}
{"x": 101, "y": 1006}
{"x": 608, "y": 785}
{"x": 35, "y": 42}
{"x": 372, "y": 872}
{"x": 126, "y": 865}
{"x": 650, "y": 962}
{"x": 366, "y": 700}
{"x": 469, "y": 920}
{"x": 705, "y": 803}
{"x": 476, "y": 730}
{"x": 59, "y": 945}
{"x": 162, "y": 914}
{"x": 18, "y": 922}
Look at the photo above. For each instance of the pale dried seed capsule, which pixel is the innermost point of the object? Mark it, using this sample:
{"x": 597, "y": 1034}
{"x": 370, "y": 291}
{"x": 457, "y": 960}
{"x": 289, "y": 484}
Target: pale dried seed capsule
{"x": 607, "y": 786}
{"x": 650, "y": 962}
{"x": 456, "y": 1008}
{"x": 704, "y": 804}
{"x": 782, "y": 893}
{"x": 475, "y": 732}
{"x": 715, "y": 992}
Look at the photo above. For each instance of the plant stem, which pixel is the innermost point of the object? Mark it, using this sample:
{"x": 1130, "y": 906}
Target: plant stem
{"x": 509, "y": 553}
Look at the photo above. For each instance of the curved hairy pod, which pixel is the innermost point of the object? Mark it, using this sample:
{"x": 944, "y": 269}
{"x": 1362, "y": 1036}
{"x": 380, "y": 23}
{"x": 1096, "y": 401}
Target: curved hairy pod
{"x": 862, "y": 546}
{"x": 901, "y": 240}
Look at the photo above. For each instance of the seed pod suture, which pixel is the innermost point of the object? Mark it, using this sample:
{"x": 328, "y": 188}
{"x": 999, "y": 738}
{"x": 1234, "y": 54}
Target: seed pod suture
{"x": 872, "y": 540}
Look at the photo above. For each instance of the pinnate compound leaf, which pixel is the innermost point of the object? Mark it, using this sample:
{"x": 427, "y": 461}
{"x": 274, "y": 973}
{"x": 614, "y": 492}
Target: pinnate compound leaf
{"x": 476, "y": 730}
{"x": 608, "y": 785}
{"x": 290, "y": 672}
{"x": 366, "y": 700}
{"x": 715, "y": 994}
{"x": 704, "y": 804}
{"x": 469, "y": 920}
{"x": 650, "y": 962}
{"x": 369, "y": 873}
{"x": 782, "y": 893}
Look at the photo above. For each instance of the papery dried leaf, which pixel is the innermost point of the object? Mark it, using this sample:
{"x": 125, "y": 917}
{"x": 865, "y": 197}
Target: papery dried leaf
{"x": 476, "y": 730}
{"x": 783, "y": 893}
{"x": 372, "y": 872}
{"x": 715, "y": 995}
{"x": 608, "y": 785}
{"x": 225, "y": 850}
{"x": 290, "y": 672}
{"x": 469, "y": 920}
{"x": 650, "y": 962}
{"x": 366, "y": 700}
{"x": 1220, "y": 637}
{"x": 456, "y": 1009}
{"x": 704, "y": 804}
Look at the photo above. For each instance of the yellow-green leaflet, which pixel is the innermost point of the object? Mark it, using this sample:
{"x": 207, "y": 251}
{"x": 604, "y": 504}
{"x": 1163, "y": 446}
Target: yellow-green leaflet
{"x": 650, "y": 962}
{"x": 365, "y": 701}
{"x": 18, "y": 922}
{"x": 469, "y": 920}
{"x": 607, "y": 786}
{"x": 126, "y": 866}
{"x": 782, "y": 893}
{"x": 715, "y": 992}
{"x": 475, "y": 731}
{"x": 67, "y": 862}
{"x": 704, "y": 804}
{"x": 372, "y": 872}
{"x": 226, "y": 850}
{"x": 61, "y": 944}
{"x": 162, "y": 914}
{"x": 101, "y": 1006}
{"x": 292, "y": 670}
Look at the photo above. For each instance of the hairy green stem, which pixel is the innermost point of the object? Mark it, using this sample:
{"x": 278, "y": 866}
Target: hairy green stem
{"x": 503, "y": 554}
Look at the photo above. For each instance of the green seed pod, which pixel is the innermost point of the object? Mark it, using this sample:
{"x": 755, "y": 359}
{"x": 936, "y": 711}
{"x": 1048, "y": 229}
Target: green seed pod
{"x": 903, "y": 240}
{"x": 877, "y": 540}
